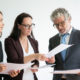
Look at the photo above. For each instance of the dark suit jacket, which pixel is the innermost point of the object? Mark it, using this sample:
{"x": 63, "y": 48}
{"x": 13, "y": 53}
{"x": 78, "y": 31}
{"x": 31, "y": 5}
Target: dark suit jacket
{"x": 72, "y": 60}
{"x": 15, "y": 54}
{"x": 1, "y": 52}
{"x": 1, "y": 58}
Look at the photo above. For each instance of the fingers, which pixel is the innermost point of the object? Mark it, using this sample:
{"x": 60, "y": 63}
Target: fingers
{"x": 79, "y": 73}
{"x": 14, "y": 73}
{"x": 42, "y": 57}
{"x": 51, "y": 60}
{"x": 2, "y": 67}
{"x": 34, "y": 70}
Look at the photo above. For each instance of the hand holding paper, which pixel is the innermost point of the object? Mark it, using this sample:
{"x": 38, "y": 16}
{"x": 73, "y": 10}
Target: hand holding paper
{"x": 13, "y": 66}
{"x": 56, "y": 50}
{"x": 74, "y": 71}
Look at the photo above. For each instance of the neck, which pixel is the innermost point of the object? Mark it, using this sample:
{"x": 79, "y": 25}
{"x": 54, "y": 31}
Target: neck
{"x": 23, "y": 38}
{"x": 69, "y": 29}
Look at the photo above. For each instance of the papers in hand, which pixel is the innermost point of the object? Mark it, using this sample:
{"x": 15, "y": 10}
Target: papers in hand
{"x": 58, "y": 49}
{"x": 44, "y": 66}
{"x": 13, "y": 66}
{"x": 74, "y": 71}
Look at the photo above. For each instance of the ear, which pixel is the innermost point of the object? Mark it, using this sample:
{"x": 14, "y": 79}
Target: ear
{"x": 70, "y": 19}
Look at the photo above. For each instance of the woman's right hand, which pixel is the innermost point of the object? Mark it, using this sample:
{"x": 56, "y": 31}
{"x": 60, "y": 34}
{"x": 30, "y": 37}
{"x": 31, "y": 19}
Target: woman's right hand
{"x": 2, "y": 67}
{"x": 41, "y": 57}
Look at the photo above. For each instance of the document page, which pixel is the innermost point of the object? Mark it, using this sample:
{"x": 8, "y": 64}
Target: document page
{"x": 74, "y": 71}
{"x": 13, "y": 66}
{"x": 58, "y": 49}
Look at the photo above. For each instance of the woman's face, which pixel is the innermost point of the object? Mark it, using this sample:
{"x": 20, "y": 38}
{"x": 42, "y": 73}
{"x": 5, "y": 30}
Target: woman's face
{"x": 1, "y": 23}
{"x": 25, "y": 27}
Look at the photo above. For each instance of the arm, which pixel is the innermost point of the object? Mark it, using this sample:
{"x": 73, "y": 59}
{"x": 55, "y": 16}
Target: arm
{"x": 52, "y": 59}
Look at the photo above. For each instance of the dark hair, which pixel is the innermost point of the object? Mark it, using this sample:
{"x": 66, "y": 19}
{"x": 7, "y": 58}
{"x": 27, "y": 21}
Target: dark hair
{"x": 1, "y": 12}
{"x": 19, "y": 19}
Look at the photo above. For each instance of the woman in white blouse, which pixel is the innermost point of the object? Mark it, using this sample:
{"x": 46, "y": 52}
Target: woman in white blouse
{"x": 21, "y": 47}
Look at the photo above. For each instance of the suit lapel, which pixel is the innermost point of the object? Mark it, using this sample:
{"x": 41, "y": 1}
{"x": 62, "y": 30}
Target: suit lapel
{"x": 32, "y": 43}
{"x": 70, "y": 42}
{"x": 18, "y": 48}
{"x": 57, "y": 43}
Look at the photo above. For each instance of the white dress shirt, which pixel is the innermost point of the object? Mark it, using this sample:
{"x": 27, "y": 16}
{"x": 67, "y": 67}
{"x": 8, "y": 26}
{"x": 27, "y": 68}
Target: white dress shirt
{"x": 28, "y": 75}
{"x": 67, "y": 37}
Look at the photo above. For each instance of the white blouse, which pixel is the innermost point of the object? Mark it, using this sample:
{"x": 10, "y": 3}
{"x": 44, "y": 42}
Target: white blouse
{"x": 28, "y": 75}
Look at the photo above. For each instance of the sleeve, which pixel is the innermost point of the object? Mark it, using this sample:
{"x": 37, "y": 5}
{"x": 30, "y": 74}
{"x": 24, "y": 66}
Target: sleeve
{"x": 1, "y": 52}
{"x": 50, "y": 48}
{"x": 11, "y": 52}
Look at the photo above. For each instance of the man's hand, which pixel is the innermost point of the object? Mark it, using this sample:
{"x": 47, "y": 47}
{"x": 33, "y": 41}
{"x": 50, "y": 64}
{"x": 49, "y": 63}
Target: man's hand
{"x": 51, "y": 60}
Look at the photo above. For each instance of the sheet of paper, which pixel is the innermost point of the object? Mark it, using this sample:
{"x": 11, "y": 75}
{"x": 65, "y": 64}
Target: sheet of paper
{"x": 56, "y": 50}
{"x": 74, "y": 71}
{"x": 44, "y": 66}
{"x": 13, "y": 66}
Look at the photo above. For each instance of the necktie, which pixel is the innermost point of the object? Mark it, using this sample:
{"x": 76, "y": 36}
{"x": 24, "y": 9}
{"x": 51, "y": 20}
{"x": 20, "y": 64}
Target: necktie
{"x": 63, "y": 41}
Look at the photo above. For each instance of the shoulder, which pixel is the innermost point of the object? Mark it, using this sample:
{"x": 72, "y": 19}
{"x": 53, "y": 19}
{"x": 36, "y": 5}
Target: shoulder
{"x": 54, "y": 38}
{"x": 10, "y": 40}
{"x": 33, "y": 40}
{"x": 76, "y": 32}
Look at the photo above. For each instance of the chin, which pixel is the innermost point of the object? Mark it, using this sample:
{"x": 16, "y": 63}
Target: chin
{"x": 63, "y": 32}
{"x": 28, "y": 34}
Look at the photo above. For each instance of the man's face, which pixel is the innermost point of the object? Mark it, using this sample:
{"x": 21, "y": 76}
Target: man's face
{"x": 1, "y": 23}
{"x": 62, "y": 25}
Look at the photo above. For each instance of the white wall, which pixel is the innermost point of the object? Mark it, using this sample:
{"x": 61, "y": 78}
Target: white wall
{"x": 40, "y": 10}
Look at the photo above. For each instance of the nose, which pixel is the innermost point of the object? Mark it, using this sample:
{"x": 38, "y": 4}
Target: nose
{"x": 60, "y": 26}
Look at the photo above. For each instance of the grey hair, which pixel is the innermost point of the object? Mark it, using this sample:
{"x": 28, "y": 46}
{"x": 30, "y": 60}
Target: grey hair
{"x": 60, "y": 12}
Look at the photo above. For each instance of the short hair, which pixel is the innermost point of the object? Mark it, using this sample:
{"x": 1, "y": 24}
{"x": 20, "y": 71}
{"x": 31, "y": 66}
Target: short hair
{"x": 60, "y": 12}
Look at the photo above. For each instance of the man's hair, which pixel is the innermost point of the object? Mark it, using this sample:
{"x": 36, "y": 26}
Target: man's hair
{"x": 60, "y": 12}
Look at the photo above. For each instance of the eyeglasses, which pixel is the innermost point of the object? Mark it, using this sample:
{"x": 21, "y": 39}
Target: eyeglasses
{"x": 61, "y": 24}
{"x": 28, "y": 26}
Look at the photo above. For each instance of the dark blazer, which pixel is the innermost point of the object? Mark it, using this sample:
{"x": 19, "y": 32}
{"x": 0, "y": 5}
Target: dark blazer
{"x": 1, "y": 52}
{"x": 72, "y": 60}
{"x": 15, "y": 54}
{"x": 1, "y": 58}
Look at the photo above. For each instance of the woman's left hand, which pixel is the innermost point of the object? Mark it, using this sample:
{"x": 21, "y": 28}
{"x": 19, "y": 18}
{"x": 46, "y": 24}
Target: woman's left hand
{"x": 34, "y": 70}
{"x": 14, "y": 73}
